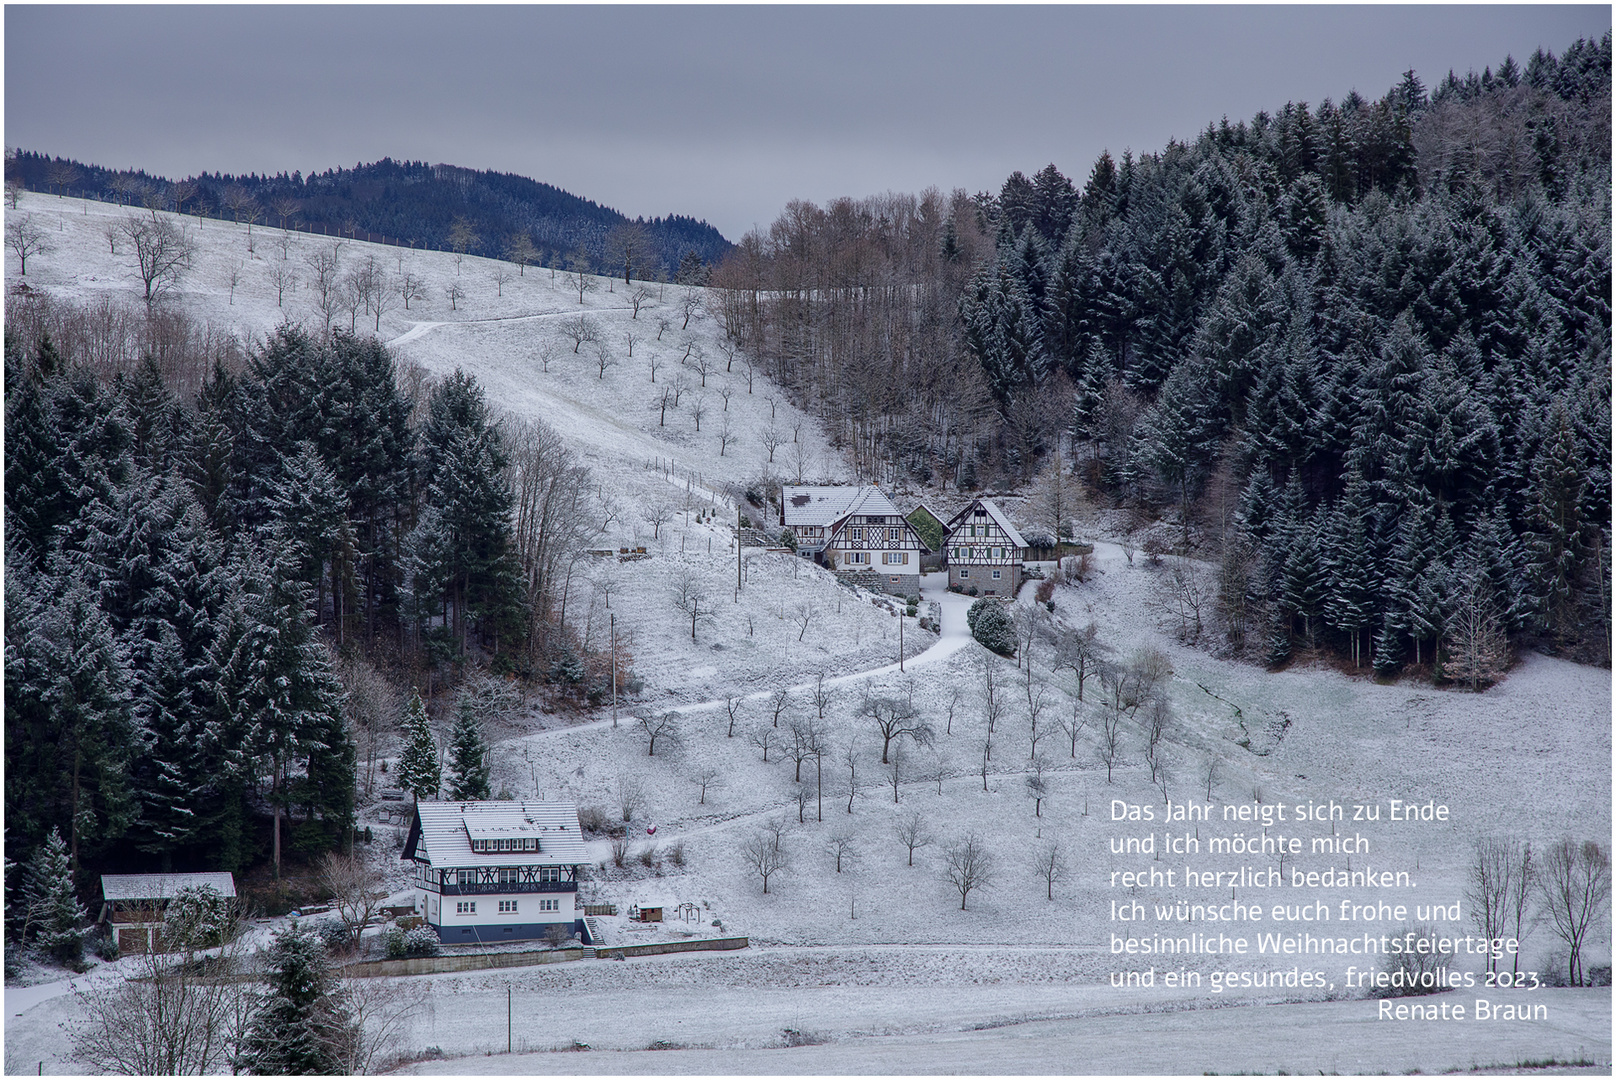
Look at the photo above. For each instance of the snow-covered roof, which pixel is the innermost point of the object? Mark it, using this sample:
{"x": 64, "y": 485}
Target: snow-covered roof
{"x": 162, "y": 886}
{"x": 814, "y": 505}
{"x": 998, "y": 517}
{"x": 443, "y": 832}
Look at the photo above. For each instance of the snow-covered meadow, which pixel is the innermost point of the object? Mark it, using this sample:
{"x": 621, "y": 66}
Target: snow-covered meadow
{"x": 878, "y": 960}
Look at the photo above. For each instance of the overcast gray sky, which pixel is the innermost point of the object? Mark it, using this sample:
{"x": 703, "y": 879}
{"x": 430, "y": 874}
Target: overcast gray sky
{"x": 722, "y": 113}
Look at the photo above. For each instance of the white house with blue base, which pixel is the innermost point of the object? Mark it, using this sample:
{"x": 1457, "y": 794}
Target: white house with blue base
{"x": 497, "y": 870}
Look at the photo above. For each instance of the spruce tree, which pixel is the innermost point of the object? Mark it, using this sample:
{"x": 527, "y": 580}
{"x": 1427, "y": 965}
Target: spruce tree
{"x": 53, "y": 910}
{"x": 301, "y": 1026}
{"x": 468, "y": 754}
{"x": 418, "y": 769}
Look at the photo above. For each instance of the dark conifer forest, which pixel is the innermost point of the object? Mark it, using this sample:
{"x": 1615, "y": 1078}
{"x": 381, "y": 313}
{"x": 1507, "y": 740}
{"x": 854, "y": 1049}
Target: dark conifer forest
{"x": 197, "y": 586}
{"x": 1357, "y": 353}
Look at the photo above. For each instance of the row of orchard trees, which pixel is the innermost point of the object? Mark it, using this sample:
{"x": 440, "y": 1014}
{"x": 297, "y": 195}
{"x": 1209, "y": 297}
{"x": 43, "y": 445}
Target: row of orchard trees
{"x": 183, "y": 570}
{"x": 1369, "y": 340}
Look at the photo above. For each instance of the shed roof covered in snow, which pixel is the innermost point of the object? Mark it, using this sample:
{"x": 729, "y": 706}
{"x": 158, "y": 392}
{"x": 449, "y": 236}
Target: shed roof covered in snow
{"x": 162, "y": 886}
{"x": 442, "y": 833}
{"x": 815, "y": 505}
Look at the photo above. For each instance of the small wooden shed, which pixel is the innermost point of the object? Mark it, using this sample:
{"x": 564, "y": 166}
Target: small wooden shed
{"x": 135, "y": 904}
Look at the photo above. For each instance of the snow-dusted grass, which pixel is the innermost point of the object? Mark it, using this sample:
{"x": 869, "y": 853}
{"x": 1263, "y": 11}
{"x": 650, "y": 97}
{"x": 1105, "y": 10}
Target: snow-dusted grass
{"x": 880, "y": 958}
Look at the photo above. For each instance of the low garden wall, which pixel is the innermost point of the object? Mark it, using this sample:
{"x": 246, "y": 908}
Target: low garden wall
{"x": 437, "y": 965}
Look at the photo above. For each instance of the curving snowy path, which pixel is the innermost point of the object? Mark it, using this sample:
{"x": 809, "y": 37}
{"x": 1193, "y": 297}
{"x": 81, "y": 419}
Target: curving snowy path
{"x": 955, "y": 635}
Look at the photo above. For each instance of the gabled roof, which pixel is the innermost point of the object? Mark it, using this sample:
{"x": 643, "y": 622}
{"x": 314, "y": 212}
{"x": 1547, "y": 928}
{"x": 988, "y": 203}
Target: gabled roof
{"x": 815, "y": 505}
{"x": 996, "y": 514}
{"x": 443, "y": 832}
{"x": 162, "y": 886}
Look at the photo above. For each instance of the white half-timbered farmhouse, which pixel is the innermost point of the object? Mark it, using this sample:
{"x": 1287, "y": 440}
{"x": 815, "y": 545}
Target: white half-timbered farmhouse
{"x": 985, "y": 552}
{"x": 497, "y": 870}
{"x": 855, "y": 530}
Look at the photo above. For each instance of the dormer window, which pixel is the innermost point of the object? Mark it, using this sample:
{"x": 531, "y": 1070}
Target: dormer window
{"x": 519, "y": 843}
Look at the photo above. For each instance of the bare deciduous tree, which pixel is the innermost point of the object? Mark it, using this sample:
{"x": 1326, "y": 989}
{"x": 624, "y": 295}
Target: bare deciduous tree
{"x": 698, "y": 409}
{"x": 1110, "y": 749}
{"x": 1492, "y": 879}
{"x": 968, "y": 866}
{"x": 356, "y": 890}
{"x": 580, "y": 280}
{"x": 664, "y": 726}
{"x": 581, "y": 329}
{"x": 706, "y": 776}
{"x": 689, "y": 304}
{"x": 285, "y": 208}
{"x": 324, "y": 263}
{"x": 25, "y": 238}
{"x": 171, "y": 1017}
{"x": 895, "y": 718}
{"x": 803, "y": 615}
{"x": 1478, "y": 649}
{"x": 454, "y": 294}
{"x": 762, "y": 738}
{"x": 842, "y": 848}
{"x": 162, "y": 255}
{"x": 1037, "y": 786}
{"x": 462, "y": 235}
{"x": 1049, "y": 863}
{"x": 726, "y": 435}
{"x": 520, "y": 250}
{"x": 628, "y": 245}
{"x": 411, "y": 287}
{"x": 637, "y": 299}
{"x": 764, "y": 852}
{"x": 690, "y": 588}
{"x": 283, "y": 278}
{"x": 657, "y": 513}
{"x": 1573, "y": 884}
{"x": 772, "y": 439}
{"x": 912, "y": 833}
{"x": 501, "y": 276}
{"x": 629, "y": 794}
{"x": 604, "y": 357}
{"x": 697, "y": 358}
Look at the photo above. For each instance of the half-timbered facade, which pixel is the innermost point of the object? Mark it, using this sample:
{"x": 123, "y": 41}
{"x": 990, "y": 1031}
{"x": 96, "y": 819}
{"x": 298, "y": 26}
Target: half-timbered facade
{"x": 855, "y": 530}
{"x": 497, "y": 870}
{"x": 985, "y": 551}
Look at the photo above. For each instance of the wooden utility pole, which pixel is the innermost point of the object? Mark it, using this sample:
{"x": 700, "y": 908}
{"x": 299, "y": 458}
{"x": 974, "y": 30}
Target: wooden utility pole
{"x": 614, "y": 670}
{"x": 900, "y": 641}
{"x": 737, "y": 551}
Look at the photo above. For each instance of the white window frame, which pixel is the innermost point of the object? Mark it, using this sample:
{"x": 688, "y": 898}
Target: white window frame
{"x": 507, "y": 907}
{"x": 965, "y": 571}
{"x": 995, "y": 575}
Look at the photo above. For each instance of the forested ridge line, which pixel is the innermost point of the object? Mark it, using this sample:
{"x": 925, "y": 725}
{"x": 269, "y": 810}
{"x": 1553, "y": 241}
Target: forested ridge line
{"x": 1357, "y": 353}
{"x": 446, "y": 207}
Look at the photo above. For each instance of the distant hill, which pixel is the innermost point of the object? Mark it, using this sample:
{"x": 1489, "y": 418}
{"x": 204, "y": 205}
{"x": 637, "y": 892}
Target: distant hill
{"x": 401, "y": 201}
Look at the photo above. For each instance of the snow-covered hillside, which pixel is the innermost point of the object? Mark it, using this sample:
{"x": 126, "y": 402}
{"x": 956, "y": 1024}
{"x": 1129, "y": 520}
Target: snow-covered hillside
{"x": 881, "y": 947}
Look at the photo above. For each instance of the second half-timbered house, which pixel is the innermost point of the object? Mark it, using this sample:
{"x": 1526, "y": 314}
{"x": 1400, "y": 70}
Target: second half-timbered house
{"x": 497, "y": 870}
{"x": 985, "y": 551}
